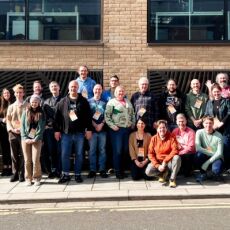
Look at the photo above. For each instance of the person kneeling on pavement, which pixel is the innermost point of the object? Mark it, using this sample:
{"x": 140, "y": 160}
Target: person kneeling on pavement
{"x": 209, "y": 147}
{"x": 163, "y": 154}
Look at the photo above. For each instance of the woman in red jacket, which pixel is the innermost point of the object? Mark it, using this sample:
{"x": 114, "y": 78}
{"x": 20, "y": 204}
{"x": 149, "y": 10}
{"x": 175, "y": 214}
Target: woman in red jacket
{"x": 163, "y": 154}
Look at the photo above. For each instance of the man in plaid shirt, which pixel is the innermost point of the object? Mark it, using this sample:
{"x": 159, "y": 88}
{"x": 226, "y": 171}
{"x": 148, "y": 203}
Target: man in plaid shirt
{"x": 144, "y": 104}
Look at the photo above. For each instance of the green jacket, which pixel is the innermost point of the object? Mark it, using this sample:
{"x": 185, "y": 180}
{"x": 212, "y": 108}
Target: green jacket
{"x": 192, "y": 108}
{"x": 25, "y": 128}
{"x": 118, "y": 115}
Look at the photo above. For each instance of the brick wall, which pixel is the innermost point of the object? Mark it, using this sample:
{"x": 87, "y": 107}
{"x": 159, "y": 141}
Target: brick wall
{"x": 124, "y": 50}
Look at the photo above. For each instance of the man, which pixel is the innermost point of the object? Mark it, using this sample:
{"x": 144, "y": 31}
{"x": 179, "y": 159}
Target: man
{"x": 163, "y": 154}
{"x": 209, "y": 147}
{"x": 37, "y": 90}
{"x": 195, "y": 104}
{"x": 51, "y": 146}
{"x": 222, "y": 80}
{"x": 71, "y": 124}
{"x": 186, "y": 143}
{"x": 85, "y": 83}
{"x": 98, "y": 140}
{"x": 170, "y": 104}
{"x": 14, "y": 114}
{"x": 109, "y": 94}
{"x": 144, "y": 104}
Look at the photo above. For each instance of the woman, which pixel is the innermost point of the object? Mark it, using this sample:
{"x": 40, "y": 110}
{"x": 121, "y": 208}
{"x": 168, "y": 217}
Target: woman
{"x": 138, "y": 150}
{"x": 32, "y": 129}
{"x": 163, "y": 154}
{"x": 119, "y": 116}
{"x": 4, "y": 140}
{"x": 219, "y": 108}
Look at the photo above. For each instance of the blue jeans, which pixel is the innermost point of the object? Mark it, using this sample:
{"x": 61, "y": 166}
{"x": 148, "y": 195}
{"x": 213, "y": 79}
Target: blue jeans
{"x": 52, "y": 151}
{"x": 216, "y": 166}
{"x": 120, "y": 145}
{"x": 226, "y": 140}
{"x": 67, "y": 140}
{"x": 97, "y": 141}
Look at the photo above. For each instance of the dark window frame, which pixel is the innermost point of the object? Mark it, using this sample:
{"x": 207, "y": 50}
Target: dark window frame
{"x": 187, "y": 42}
{"x": 26, "y": 41}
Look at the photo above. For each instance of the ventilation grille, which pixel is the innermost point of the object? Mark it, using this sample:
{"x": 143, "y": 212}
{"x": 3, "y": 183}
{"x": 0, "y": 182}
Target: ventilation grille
{"x": 8, "y": 79}
{"x": 158, "y": 79}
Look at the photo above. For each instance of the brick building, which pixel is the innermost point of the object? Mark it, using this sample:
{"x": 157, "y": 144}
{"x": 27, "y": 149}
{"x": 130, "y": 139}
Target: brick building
{"x": 124, "y": 46}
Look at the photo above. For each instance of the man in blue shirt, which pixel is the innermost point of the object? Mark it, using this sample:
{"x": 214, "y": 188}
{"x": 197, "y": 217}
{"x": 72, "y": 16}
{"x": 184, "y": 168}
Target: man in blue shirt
{"x": 85, "y": 83}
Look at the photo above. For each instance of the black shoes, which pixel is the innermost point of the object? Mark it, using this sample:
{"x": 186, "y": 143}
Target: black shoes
{"x": 103, "y": 174}
{"x": 64, "y": 178}
{"x": 78, "y": 179}
{"x": 91, "y": 174}
{"x": 53, "y": 175}
{"x": 21, "y": 178}
{"x": 14, "y": 177}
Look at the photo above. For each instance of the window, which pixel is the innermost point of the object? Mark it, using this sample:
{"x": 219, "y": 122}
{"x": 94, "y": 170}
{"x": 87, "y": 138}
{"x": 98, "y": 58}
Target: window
{"x": 188, "y": 21}
{"x": 50, "y": 20}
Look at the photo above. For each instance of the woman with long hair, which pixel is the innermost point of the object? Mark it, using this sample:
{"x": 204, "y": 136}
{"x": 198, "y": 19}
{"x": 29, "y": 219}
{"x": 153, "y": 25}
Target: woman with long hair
{"x": 32, "y": 128}
{"x": 4, "y": 140}
{"x": 138, "y": 150}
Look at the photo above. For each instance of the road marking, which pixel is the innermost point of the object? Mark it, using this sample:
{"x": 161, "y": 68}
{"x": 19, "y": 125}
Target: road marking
{"x": 65, "y": 211}
{"x": 8, "y": 213}
{"x": 167, "y": 208}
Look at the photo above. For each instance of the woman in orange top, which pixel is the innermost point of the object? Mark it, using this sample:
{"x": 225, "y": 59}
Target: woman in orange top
{"x": 163, "y": 154}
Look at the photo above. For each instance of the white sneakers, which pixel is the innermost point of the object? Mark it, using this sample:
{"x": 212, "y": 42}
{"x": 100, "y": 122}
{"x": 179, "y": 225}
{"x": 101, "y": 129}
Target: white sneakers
{"x": 36, "y": 182}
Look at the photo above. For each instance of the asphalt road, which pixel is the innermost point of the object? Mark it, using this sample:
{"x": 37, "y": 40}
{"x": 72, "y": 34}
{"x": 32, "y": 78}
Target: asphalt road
{"x": 161, "y": 217}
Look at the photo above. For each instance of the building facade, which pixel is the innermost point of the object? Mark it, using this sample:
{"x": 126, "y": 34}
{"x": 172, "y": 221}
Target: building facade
{"x": 129, "y": 37}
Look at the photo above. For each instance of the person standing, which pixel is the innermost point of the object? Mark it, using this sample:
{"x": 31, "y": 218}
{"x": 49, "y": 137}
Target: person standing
{"x": 221, "y": 79}
{"x": 119, "y": 116}
{"x": 109, "y": 94}
{"x": 4, "y": 139}
{"x": 14, "y": 114}
{"x": 170, "y": 103}
{"x": 195, "y": 104}
{"x": 72, "y": 123}
{"x": 85, "y": 82}
{"x": 51, "y": 146}
{"x": 219, "y": 108}
{"x": 98, "y": 139}
{"x": 144, "y": 104}
{"x": 32, "y": 128}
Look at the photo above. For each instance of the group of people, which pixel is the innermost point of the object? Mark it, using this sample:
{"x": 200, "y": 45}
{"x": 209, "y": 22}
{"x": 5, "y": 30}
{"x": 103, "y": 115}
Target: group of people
{"x": 151, "y": 137}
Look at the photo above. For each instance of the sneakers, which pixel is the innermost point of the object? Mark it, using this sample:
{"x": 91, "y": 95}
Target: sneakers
{"x": 201, "y": 177}
{"x": 163, "y": 177}
{"x": 64, "y": 178}
{"x": 172, "y": 183}
{"x": 78, "y": 179}
{"x": 28, "y": 183}
{"x": 37, "y": 183}
{"x": 91, "y": 174}
{"x": 103, "y": 174}
{"x": 14, "y": 177}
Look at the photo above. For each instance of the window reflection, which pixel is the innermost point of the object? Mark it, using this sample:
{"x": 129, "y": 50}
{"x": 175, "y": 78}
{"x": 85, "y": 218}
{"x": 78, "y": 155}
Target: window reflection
{"x": 188, "y": 20}
{"x": 50, "y": 20}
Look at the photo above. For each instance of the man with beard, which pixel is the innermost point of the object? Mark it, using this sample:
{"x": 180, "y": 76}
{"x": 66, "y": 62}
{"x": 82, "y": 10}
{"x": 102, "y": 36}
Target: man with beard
{"x": 170, "y": 104}
{"x": 222, "y": 80}
{"x": 144, "y": 104}
{"x": 195, "y": 104}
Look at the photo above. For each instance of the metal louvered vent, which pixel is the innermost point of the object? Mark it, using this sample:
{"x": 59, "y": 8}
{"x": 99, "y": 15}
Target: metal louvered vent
{"x": 158, "y": 79}
{"x": 8, "y": 79}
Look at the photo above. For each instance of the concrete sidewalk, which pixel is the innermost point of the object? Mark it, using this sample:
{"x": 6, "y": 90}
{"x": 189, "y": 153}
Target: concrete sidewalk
{"x": 110, "y": 189}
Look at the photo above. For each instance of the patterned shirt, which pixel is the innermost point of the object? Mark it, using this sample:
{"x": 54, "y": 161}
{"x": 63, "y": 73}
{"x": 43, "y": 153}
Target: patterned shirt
{"x": 145, "y": 106}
